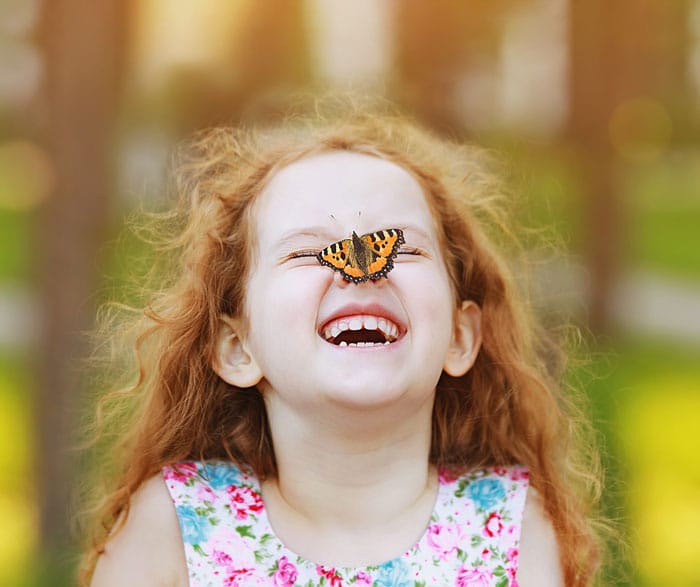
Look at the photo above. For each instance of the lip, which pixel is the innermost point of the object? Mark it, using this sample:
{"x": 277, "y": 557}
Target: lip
{"x": 373, "y": 309}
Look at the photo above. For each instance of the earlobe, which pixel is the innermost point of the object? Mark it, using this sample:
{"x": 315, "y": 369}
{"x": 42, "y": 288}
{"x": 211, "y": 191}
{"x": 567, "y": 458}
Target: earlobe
{"x": 466, "y": 340}
{"x": 233, "y": 361}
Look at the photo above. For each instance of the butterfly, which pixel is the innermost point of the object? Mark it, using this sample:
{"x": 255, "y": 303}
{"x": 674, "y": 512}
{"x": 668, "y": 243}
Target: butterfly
{"x": 360, "y": 258}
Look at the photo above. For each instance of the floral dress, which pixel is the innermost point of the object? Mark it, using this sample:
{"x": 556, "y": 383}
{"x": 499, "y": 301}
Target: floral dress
{"x": 471, "y": 540}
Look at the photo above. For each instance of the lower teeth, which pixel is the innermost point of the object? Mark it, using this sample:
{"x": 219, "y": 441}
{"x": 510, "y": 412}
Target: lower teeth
{"x": 361, "y": 344}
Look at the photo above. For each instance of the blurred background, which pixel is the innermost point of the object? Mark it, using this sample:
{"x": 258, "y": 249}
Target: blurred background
{"x": 593, "y": 105}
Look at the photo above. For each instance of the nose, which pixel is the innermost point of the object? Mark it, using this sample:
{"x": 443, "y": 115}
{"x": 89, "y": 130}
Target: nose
{"x": 340, "y": 280}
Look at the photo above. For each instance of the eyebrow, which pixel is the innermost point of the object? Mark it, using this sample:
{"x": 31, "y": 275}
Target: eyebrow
{"x": 320, "y": 233}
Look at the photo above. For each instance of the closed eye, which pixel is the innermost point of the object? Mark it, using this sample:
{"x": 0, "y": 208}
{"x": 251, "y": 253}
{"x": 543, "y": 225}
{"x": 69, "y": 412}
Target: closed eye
{"x": 412, "y": 251}
{"x": 300, "y": 254}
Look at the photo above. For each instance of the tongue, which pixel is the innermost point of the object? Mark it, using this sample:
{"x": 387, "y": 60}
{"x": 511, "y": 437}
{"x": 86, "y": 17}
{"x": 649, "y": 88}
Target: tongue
{"x": 350, "y": 336}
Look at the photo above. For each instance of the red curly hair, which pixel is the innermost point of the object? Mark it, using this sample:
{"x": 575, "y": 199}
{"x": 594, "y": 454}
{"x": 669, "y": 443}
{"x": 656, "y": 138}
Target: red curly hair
{"x": 509, "y": 408}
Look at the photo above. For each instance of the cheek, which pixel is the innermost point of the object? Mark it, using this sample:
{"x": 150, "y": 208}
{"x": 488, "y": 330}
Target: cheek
{"x": 430, "y": 295}
{"x": 283, "y": 306}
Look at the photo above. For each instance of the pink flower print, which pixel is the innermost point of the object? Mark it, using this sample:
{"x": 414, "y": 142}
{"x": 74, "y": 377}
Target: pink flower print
{"x": 225, "y": 542}
{"x": 446, "y": 476}
{"x": 445, "y": 539}
{"x": 180, "y": 472}
{"x": 330, "y": 574}
{"x": 511, "y": 536}
{"x": 500, "y": 471}
{"x": 512, "y": 570}
{"x": 221, "y": 558}
{"x": 519, "y": 474}
{"x": 363, "y": 579}
{"x": 474, "y": 577}
{"x": 244, "y": 577}
{"x": 206, "y": 495}
{"x": 486, "y": 554}
{"x": 286, "y": 573}
{"x": 493, "y": 526}
{"x": 234, "y": 577}
{"x": 244, "y": 501}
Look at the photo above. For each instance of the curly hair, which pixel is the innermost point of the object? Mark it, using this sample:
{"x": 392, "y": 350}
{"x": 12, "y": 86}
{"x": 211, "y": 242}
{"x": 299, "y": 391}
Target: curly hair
{"x": 511, "y": 407}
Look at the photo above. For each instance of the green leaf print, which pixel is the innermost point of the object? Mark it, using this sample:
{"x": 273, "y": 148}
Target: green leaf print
{"x": 198, "y": 549}
{"x": 461, "y": 487}
{"x": 265, "y": 538}
{"x": 245, "y": 531}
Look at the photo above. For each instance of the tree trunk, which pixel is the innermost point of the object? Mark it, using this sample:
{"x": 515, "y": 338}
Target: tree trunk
{"x": 83, "y": 44}
{"x": 620, "y": 51}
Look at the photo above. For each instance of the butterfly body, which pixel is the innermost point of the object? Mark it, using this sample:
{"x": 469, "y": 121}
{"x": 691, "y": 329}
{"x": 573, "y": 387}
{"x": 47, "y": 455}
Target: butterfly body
{"x": 360, "y": 258}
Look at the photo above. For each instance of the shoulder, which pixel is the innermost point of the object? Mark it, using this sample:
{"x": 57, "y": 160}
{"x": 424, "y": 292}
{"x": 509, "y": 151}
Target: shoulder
{"x": 150, "y": 533}
{"x": 539, "y": 553}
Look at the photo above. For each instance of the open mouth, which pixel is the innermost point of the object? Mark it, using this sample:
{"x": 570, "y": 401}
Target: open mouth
{"x": 360, "y": 331}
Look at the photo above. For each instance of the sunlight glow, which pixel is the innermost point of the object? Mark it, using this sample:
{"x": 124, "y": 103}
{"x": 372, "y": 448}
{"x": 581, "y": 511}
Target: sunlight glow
{"x": 350, "y": 41}
{"x": 195, "y": 33}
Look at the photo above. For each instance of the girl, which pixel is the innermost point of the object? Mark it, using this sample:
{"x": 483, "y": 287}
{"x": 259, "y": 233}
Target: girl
{"x": 338, "y": 385}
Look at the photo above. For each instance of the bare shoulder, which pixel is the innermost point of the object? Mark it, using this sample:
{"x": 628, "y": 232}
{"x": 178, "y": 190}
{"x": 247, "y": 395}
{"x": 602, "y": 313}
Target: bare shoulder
{"x": 539, "y": 554}
{"x": 148, "y": 549}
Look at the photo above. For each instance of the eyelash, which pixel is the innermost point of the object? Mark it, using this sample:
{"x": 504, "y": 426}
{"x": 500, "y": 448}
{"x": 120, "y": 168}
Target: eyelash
{"x": 409, "y": 251}
{"x": 302, "y": 253}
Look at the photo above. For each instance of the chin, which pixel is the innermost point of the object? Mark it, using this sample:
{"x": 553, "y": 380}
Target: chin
{"x": 375, "y": 397}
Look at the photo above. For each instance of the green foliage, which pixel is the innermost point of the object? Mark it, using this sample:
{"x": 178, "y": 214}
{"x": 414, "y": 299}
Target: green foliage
{"x": 663, "y": 228}
{"x": 15, "y": 245}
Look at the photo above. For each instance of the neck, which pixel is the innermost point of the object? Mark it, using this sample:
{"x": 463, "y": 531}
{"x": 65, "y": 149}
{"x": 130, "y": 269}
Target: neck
{"x": 356, "y": 470}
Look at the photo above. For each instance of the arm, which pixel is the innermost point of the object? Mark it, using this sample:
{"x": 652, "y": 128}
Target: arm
{"x": 539, "y": 554}
{"x": 147, "y": 550}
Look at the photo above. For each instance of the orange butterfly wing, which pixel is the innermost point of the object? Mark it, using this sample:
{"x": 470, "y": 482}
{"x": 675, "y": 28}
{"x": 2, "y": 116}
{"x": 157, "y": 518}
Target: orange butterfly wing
{"x": 375, "y": 259}
{"x": 335, "y": 255}
{"x": 384, "y": 245}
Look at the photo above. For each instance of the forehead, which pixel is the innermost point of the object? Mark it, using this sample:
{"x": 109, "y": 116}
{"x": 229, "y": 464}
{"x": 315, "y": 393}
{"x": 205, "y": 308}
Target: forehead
{"x": 337, "y": 192}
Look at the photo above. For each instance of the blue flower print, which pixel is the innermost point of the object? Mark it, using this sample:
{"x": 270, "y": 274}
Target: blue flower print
{"x": 221, "y": 475}
{"x": 486, "y": 493}
{"x": 195, "y": 528}
{"x": 393, "y": 574}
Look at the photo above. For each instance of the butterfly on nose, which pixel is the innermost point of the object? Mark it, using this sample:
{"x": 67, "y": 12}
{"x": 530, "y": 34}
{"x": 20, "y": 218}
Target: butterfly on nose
{"x": 359, "y": 258}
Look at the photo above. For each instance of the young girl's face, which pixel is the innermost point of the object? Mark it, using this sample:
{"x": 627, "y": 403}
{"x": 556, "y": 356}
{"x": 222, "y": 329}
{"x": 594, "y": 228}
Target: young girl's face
{"x": 293, "y": 302}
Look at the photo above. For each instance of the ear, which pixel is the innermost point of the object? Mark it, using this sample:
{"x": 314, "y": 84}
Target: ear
{"x": 232, "y": 361}
{"x": 466, "y": 340}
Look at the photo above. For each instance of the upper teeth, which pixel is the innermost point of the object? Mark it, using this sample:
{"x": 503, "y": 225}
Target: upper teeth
{"x": 386, "y": 327}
